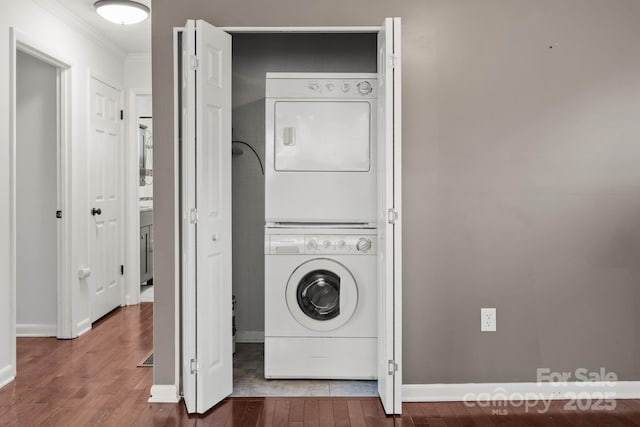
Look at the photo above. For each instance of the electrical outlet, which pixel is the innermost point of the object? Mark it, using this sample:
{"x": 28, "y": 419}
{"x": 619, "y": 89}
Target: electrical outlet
{"x": 487, "y": 319}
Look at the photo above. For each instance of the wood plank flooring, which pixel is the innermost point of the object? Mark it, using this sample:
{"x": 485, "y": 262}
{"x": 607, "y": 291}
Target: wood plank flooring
{"x": 93, "y": 380}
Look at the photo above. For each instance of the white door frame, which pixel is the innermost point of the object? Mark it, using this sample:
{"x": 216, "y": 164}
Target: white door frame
{"x": 92, "y": 74}
{"x": 20, "y": 42}
{"x": 132, "y": 197}
{"x": 177, "y": 261}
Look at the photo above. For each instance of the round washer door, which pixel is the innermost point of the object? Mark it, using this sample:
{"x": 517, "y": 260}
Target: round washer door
{"x": 322, "y": 294}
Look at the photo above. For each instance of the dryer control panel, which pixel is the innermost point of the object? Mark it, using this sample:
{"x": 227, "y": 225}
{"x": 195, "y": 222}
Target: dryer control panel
{"x": 321, "y": 85}
{"x": 320, "y": 244}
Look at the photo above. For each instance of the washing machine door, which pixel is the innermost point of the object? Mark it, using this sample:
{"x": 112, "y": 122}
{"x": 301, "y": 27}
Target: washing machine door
{"x": 322, "y": 294}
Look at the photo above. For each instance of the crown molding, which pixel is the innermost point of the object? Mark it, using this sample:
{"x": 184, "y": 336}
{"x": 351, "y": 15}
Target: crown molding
{"x": 62, "y": 13}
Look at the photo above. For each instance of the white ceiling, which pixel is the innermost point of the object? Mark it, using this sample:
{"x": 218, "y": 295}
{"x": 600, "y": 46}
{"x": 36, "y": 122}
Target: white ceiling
{"x": 129, "y": 38}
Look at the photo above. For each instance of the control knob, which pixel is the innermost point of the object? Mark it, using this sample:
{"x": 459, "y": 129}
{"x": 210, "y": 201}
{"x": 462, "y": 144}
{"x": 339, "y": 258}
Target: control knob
{"x": 312, "y": 245}
{"x": 365, "y": 88}
{"x": 313, "y": 86}
{"x": 327, "y": 244}
{"x": 364, "y": 245}
{"x": 342, "y": 244}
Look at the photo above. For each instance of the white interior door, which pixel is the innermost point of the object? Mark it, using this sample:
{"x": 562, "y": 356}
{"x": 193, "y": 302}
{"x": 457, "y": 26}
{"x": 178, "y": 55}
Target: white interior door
{"x": 206, "y": 104}
{"x": 105, "y": 173}
{"x": 389, "y": 220}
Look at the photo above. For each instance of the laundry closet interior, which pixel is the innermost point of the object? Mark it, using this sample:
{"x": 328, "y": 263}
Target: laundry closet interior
{"x": 305, "y": 208}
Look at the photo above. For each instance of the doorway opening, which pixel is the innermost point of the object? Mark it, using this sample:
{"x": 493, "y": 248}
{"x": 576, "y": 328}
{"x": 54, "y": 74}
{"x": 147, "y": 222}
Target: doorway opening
{"x": 144, "y": 127}
{"x": 212, "y": 134}
{"x": 254, "y": 55}
{"x": 37, "y": 201}
{"x": 39, "y": 204}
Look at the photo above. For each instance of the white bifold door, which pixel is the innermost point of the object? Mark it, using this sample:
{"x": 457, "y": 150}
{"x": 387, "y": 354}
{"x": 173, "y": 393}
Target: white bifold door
{"x": 389, "y": 222}
{"x": 207, "y": 368}
{"x": 205, "y": 131}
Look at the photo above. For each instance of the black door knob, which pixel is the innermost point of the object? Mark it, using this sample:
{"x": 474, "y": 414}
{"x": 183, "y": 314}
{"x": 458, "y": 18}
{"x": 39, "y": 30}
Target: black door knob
{"x": 95, "y": 211}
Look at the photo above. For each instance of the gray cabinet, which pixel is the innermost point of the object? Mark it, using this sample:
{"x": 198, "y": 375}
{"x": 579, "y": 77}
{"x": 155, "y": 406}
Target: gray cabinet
{"x": 146, "y": 246}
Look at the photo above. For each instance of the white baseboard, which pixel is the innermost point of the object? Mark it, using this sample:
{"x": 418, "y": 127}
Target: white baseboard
{"x": 161, "y": 393}
{"x": 502, "y": 391}
{"x": 7, "y": 374}
{"x": 36, "y": 330}
{"x": 146, "y": 298}
{"x": 83, "y": 326}
{"x": 249, "y": 336}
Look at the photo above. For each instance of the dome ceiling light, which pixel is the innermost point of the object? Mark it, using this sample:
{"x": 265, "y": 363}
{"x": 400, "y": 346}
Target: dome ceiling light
{"x": 124, "y": 12}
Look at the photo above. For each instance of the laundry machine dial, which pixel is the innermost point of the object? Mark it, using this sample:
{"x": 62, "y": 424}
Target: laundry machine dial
{"x": 342, "y": 244}
{"x": 312, "y": 244}
{"x": 326, "y": 244}
{"x": 365, "y": 88}
{"x": 364, "y": 245}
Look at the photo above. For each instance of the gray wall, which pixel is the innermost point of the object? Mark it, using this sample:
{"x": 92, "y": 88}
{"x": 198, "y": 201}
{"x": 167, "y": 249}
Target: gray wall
{"x": 36, "y": 197}
{"x": 253, "y": 56}
{"x": 520, "y": 173}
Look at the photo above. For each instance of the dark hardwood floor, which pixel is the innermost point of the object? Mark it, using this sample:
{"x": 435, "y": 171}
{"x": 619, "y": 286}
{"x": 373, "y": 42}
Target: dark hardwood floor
{"x": 93, "y": 380}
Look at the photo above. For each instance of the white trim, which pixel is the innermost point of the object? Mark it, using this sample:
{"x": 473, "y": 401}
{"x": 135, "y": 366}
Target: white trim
{"x": 164, "y": 394}
{"x": 550, "y": 391}
{"x": 177, "y": 353}
{"x": 146, "y": 298}
{"x": 83, "y": 326}
{"x": 345, "y": 29}
{"x": 36, "y": 330}
{"x": 7, "y": 374}
{"x": 249, "y": 336}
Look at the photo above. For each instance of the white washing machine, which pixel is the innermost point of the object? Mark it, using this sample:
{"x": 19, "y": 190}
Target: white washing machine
{"x": 320, "y": 148}
{"x": 320, "y": 303}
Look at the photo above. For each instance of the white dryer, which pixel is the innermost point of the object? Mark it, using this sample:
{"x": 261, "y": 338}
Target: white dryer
{"x": 320, "y": 303}
{"x": 320, "y": 148}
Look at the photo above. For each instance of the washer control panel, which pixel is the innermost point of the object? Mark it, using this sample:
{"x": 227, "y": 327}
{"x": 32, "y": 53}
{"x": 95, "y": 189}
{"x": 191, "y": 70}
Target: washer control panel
{"x": 320, "y": 244}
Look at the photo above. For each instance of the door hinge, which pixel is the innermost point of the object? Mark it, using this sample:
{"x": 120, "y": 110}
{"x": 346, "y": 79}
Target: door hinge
{"x": 195, "y": 62}
{"x": 393, "y": 367}
{"x": 193, "y": 366}
{"x": 193, "y": 216}
{"x": 58, "y": 214}
{"x": 122, "y": 270}
{"x": 393, "y": 60}
{"x": 121, "y": 114}
{"x": 392, "y": 216}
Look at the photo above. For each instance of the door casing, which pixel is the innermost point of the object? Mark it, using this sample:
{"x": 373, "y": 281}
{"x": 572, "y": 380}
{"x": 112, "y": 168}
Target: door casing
{"x": 177, "y": 32}
{"x": 20, "y": 42}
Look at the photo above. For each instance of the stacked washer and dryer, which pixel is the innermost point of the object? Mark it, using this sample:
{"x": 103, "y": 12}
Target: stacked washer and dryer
{"x": 320, "y": 235}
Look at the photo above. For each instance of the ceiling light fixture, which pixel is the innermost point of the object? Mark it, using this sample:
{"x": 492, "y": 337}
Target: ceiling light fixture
{"x": 125, "y": 12}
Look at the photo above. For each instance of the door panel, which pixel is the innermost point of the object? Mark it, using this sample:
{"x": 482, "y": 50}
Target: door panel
{"x": 389, "y": 232}
{"x": 206, "y": 106}
{"x": 213, "y": 200}
{"x": 105, "y": 175}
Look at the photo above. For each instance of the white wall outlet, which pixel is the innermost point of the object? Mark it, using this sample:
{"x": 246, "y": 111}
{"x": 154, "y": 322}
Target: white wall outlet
{"x": 487, "y": 319}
